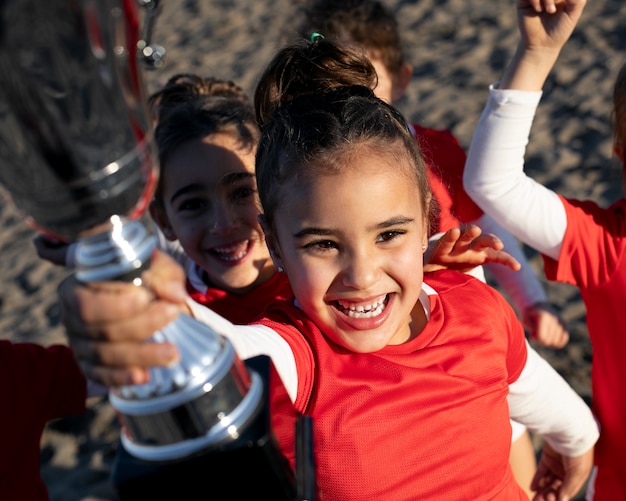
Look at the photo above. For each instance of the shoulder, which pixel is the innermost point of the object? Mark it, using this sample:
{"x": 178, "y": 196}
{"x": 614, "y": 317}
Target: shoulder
{"x": 462, "y": 290}
{"x": 587, "y": 214}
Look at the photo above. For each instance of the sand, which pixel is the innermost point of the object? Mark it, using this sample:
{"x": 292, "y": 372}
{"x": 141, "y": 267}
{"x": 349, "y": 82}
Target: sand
{"x": 457, "y": 48}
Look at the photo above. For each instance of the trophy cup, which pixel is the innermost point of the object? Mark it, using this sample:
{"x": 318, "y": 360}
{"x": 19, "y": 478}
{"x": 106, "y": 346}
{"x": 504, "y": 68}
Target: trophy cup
{"x": 77, "y": 158}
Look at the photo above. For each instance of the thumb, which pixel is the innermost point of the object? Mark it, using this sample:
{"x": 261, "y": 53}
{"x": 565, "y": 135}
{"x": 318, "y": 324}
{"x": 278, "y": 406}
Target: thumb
{"x": 166, "y": 278}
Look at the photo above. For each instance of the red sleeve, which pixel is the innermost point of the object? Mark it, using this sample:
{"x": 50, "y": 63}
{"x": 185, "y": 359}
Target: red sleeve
{"x": 298, "y": 331}
{"x": 44, "y": 380}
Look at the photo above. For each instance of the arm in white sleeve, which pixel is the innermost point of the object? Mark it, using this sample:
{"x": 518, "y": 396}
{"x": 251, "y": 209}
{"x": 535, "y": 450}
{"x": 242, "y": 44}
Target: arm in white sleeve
{"x": 253, "y": 340}
{"x": 523, "y": 286}
{"x": 548, "y": 406}
{"x": 494, "y": 173}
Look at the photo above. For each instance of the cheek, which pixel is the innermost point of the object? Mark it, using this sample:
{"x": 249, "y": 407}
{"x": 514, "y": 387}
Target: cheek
{"x": 408, "y": 258}
{"x": 310, "y": 281}
{"x": 250, "y": 216}
{"x": 186, "y": 230}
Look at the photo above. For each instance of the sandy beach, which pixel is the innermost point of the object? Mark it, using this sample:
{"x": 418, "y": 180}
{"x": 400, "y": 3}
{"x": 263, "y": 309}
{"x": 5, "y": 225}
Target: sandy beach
{"x": 457, "y": 48}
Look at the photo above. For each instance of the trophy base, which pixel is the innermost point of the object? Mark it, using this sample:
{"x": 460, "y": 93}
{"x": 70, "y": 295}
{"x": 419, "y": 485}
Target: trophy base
{"x": 250, "y": 467}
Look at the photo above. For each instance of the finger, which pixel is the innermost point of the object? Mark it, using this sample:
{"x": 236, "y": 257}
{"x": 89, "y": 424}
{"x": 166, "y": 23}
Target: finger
{"x": 468, "y": 234}
{"x": 121, "y": 354}
{"x": 101, "y": 301}
{"x": 113, "y": 377}
{"x": 115, "y": 364}
{"x": 503, "y": 258}
{"x": 444, "y": 244}
{"x": 549, "y": 6}
{"x": 138, "y": 327}
{"x": 486, "y": 241}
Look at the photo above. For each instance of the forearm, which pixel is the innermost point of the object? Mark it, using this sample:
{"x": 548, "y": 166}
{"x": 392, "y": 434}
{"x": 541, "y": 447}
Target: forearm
{"x": 543, "y": 401}
{"x": 253, "y": 340}
{"x": 528, "y": 69}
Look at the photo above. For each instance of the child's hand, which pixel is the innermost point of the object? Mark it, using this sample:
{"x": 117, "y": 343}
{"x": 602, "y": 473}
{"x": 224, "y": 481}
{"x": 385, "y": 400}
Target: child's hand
{"x": 107, "y": 322}
{"x": 545, "y": 326}
{"x": 560, "y": 478}
{"x": 465, "y": 249}
{"x": 545, "y": 26}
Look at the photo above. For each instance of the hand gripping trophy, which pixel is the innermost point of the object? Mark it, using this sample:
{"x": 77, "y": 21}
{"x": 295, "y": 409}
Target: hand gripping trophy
{"x": 77, "y": 158}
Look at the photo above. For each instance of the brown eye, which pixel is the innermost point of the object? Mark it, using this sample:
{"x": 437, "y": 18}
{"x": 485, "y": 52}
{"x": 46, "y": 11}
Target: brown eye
{"x": 389, "y": 235}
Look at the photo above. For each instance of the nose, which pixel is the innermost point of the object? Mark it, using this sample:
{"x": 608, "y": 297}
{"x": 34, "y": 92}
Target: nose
{"x": 360, "y": 271}
{"x": 222, "y": 220}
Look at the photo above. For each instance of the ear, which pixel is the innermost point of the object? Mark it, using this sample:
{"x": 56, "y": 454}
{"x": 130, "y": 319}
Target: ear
{"x": 401, "y": 81}
{"x": 271, "y": 241}
{"x": 160, "y": 218}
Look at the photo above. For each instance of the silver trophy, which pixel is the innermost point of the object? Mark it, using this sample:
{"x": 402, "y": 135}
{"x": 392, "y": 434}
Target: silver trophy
{"x": 77, "y": 158}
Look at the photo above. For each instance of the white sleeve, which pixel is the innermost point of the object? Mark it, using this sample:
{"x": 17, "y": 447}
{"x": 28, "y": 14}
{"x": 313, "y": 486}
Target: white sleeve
{"x": 172, "y": 247}
{"x": 253, "y": 340}
{"x": 523, "y": 287}
{"x": 494, "y": 173}
{"x": 548, "y": 406}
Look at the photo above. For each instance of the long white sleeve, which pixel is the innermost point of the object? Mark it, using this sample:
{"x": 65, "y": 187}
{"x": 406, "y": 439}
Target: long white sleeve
{"x": 523, "y": 287}
{"x": 548, "y": 406}
{"x": 253, "y": 340}
{"x": 494, "y": 173}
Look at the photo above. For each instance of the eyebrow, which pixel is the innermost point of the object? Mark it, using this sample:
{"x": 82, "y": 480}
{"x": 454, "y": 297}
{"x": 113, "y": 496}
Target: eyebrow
{"x": 389, "y": 223}
{"x": 226, "y": 180}
{"x": 234, "y": 177}
{"x": 189, "y": 188}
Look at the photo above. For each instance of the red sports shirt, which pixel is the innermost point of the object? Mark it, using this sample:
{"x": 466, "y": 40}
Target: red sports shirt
{"x": 37, "y": 385}
{"x": 593, "y": 257}
{"x": 424, "y": 420}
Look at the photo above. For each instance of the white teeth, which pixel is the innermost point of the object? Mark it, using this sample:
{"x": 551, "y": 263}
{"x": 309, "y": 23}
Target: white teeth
{"x": 225, "y": 253}
{"x": 226, "y": 257}
{"x": 363, "y": 311}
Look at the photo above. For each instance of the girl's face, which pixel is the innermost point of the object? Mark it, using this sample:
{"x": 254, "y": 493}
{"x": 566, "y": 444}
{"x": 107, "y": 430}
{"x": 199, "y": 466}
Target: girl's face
{"x": 211, "y": 206}
{"x": 351, "y": 244}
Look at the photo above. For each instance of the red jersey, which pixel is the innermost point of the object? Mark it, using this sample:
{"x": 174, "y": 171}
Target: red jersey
{"x": 424, "y": 420}
{"x": 38, "y": 384}
{"x": 445, "y": 161}
{"x": 245, "y": 308}
{"x": 593, "y": 257}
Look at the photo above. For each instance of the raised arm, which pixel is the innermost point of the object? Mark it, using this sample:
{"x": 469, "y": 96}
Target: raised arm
{"x": 494, "y": 175}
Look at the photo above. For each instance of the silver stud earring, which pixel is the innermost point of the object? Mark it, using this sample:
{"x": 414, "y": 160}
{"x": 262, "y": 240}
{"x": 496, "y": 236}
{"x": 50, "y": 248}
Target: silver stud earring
{"x": 280, "y": 269}
{"x": 424, "y": 247}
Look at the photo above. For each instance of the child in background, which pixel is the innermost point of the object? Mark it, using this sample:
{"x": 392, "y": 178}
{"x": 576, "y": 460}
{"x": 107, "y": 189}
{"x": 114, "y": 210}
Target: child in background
{"x": 582, "y": 244}
{"x": 39, "y": 384}
{"x": 407, "y": 401}
{"x": 206, "y": 198}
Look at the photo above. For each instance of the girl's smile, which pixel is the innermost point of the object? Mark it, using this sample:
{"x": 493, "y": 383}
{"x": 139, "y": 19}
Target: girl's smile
{"x": 233, "y": 253}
